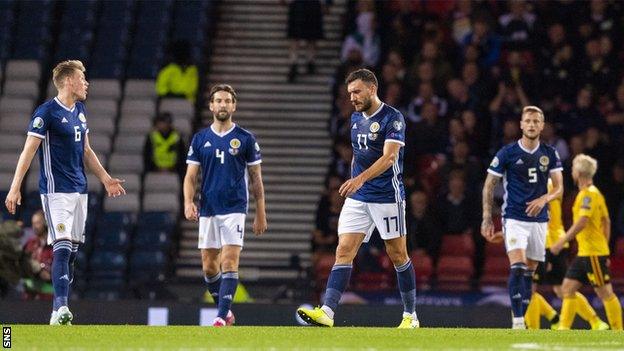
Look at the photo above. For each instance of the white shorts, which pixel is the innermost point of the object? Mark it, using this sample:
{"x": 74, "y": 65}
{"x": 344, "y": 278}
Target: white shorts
{"x": 362, "y": 217}
{"x": 528, "y": 236}
{"x": 66, "y": 216}
{"x": 220, "y": 230}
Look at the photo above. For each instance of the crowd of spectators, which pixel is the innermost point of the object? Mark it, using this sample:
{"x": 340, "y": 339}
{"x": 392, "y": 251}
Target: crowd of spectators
{"x": 460, "y": 72}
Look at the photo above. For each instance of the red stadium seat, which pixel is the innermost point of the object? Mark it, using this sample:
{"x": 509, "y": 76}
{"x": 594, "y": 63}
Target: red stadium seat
{"x": 423, "y": 265}
{"x": 495, "y": 250}
{"x": 457, "y": 245}
{"x": 452, "y": 269}
{"x": 495, "y": 270}
{"x": 374, "y": 281}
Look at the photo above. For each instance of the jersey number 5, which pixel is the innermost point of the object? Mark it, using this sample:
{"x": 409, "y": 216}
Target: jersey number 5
{"x": 533, "y": 175}
{"x": 220, "y": 154}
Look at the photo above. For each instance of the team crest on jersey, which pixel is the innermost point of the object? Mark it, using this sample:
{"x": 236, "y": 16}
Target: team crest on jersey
{"x": 397, "y": 125}
{"x": 374, "y": 127}
{"x": 82, "y": 117}
{"x": 60, "y": 227}
{"x": 544, "y": 160}
{"x": 38, "y": 122}
{"x": 235, "y": 143}
{"x": 495, "y": 162}
{"x": 373, "y": 136}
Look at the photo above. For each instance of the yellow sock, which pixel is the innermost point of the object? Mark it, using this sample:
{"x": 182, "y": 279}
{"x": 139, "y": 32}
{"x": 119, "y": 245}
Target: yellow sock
{"x": 532, "y": 315}
{"x": 585, "y": 310}
{"x": 545, "y": 308}
{"x": 614, "y": 312}
{"x": 568, "y": 310}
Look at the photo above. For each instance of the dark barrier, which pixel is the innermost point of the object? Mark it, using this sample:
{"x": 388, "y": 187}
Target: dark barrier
{"x": 175, "y": 313}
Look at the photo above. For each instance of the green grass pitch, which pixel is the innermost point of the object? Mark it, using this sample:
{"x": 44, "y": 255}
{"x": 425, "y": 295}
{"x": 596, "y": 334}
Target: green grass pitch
{"x": 38, "y": 337}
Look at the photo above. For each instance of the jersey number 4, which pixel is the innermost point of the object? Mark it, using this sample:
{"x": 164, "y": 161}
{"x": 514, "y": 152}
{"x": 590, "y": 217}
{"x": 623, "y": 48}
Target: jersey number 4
{"x": 220, "y": 154}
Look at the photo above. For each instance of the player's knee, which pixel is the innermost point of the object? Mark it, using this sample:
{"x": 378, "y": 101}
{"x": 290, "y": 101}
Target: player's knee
{"x": 345, "y": 252}
{"x": 518, "y": 269}
{"x": 229, "y": 264}
{"x": 604, "y": 293}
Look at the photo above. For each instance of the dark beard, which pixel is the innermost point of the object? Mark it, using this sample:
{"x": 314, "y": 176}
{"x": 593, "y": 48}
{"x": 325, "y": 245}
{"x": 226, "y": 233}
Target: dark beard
{"x": 366, "y": 105}
{"x": 219, "y": 117}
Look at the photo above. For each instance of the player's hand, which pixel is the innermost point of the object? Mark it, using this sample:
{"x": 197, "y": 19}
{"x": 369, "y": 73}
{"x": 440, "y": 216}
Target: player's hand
{"x": 350, "y": 186}
{"x": 190, "y": 212}
{"x": 487, "y": 229}
{"x": 556, "y": 248}
{"x": 13, "y": 199}
{"x": 260, "y": 224}
{"x": 114, "y": 188}
{"x": 535, "y": 207}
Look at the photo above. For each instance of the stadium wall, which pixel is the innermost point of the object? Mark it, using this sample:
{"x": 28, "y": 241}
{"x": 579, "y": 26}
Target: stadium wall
{"x": 173, "y": 313}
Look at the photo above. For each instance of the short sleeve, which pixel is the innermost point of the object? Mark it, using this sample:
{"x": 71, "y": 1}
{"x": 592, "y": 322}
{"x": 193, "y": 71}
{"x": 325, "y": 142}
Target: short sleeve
{"x": 587, "y": 204}
{"x": 252, "y": 153}
{"x": 39, "y": 124}
{"x": 555, "y": 163}
{"x": 395, "y": 130}
{"x": 192, "y": 157}
{"x": 497, "y": 166}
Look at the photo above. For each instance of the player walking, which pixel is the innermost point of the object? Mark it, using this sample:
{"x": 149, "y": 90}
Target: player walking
{"x": 60, "y": 125}
{"x": 592, "y": 228}
{"x": 227, "y": 154}
{"x": 525, "y": 167}
{"x": 375, "y": 198}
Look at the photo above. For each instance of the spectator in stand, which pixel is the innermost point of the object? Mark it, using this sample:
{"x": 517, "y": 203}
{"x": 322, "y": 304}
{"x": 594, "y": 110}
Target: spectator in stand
{"x": 583, "y": 115}
{"x": 615, "y": 116}
{"x": 365, "y": 38}
{"x": 164, "y": 149}
{"x": 517, "y": 25}
{"x": 596, "y": 72}
{"x": 343, "y": 155}
{"x": 557, "y": 65}
{"x": 442, "y": 69}
{"x": 425, "y": 94}
{"x": 506, "y": 106}
{"x": 613, "y": 190}
{"x": 550, "y": 137}
{"x": 305, "y": 25}
{"x": 40, "y": 286}
{"x": 339, "y": 127}
{"x": 179, "y": 78}
{"x": 423, "y": 230}
{"x": 459, "y": 98}
{"x": 461, "y": 24}
{"x": 428, "y": 136}
{"x": 475, "y": 134}
{"x": 487, "y": 43}
{"x": 460, "y": 160}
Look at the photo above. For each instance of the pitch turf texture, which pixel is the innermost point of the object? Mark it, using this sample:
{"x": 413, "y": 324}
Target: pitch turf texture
{"x": 37, "y": 337}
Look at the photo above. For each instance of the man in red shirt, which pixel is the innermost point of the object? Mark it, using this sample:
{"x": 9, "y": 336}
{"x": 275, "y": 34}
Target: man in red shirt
{"x": 36, "y": 246}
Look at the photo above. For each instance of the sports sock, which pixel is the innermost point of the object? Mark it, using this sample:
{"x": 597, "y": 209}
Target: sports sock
{"x": 214, "y": 284}
{"x": 532, "y": 315}
{"x": 72, "y": 259}
{"x": 229, "y": 281}
{"x": 60, "y": 272}
{"x": 516, "y": 277}
{"x": 614, "y": 312}
{"x": 568, "y": 310}
{"x": 406, "y": 278}
{"x": 545, "y": 309}
{"x": 336, "y": 285}
{"x": 585, "y": 310}
{"x": 527, "y": 289}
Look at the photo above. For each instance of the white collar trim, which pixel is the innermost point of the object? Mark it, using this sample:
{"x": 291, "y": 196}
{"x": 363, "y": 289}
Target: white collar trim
{"x": 63, "y": 106}
{"x": 527, "y": 150}
{"x": 224, "y": 133}
{"x": 374, "y": 113}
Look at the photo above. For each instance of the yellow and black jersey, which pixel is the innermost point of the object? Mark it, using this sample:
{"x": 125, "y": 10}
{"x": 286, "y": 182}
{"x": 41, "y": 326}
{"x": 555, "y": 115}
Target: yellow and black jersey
{"x": 591, "y": 204}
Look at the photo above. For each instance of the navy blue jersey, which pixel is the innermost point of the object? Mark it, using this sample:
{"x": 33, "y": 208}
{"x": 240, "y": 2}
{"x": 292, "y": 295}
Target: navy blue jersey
{"x": 62, "y": 149}
{"x": 223, "y": 159}
{"x": 368, "y": 136}
{"x": 525, "y": 177}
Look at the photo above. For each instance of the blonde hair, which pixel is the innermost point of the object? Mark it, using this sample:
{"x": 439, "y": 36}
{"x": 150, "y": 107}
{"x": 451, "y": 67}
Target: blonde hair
{"x": 585, "y": 165}
{"x": 533, "y": 109}
{"x": 65, "y": 69}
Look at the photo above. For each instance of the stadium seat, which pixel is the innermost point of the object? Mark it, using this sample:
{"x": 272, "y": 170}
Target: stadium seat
{"x": 16, "y": 123}
{"x": 8, "y": 161}
{"x": 12, "y": 142}
{"x": 183, "y": 126}
{"x": 457, "y": 245}
{"x": 107, "y": 263}
{"x": 374, "y": 281}
{"x": 16, "y": 106}
{"x": 161, "y": 182}
{"x": 135, "y": 125}
{"x": 130, "y": 143}
{"x": 117, "y": 220}
{"x": 147, "y": 266}
{"x": 23, "y": 70}
{"x": 101, "y": 107}
{"x": 423, "y": 266}
{"x": 495, "y": 250}
{"x": 105, "y": 89}
{"x": 495, "y": 271}
{"x": 179, "y": 108}
{"x": 132, "y": 182}
{"x": 26, "y": 89}
{"x": 102, "y": 125}
{"x": 140, "y": 88}
{"x": 113, "y": 239}
{"x": 142, "y": 108}
{"x": 123, "y": 163}
{"x": 454, "y": 271}
{"x": 149, "y": 239}
{"x": 127, "y": 203}
{"x": 6, "y": 178}
{"x": 156, "y": 220}
{"x": 100, "y": 142}
{"x": 166, "y": 202}
{"x": 93, "y": 183}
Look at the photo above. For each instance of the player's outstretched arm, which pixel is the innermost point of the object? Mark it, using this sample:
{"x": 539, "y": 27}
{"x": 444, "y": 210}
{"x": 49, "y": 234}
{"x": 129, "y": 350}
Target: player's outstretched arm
{"x": 190, "y": 179}
{"x": 487, "y": 226}
{"x": 257, "y": 187}
{"x": 112, "y": 185}
{"x": 390, "y": 154}
{"x": 14, "y": 197}
{"x": 535, "y": 207}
